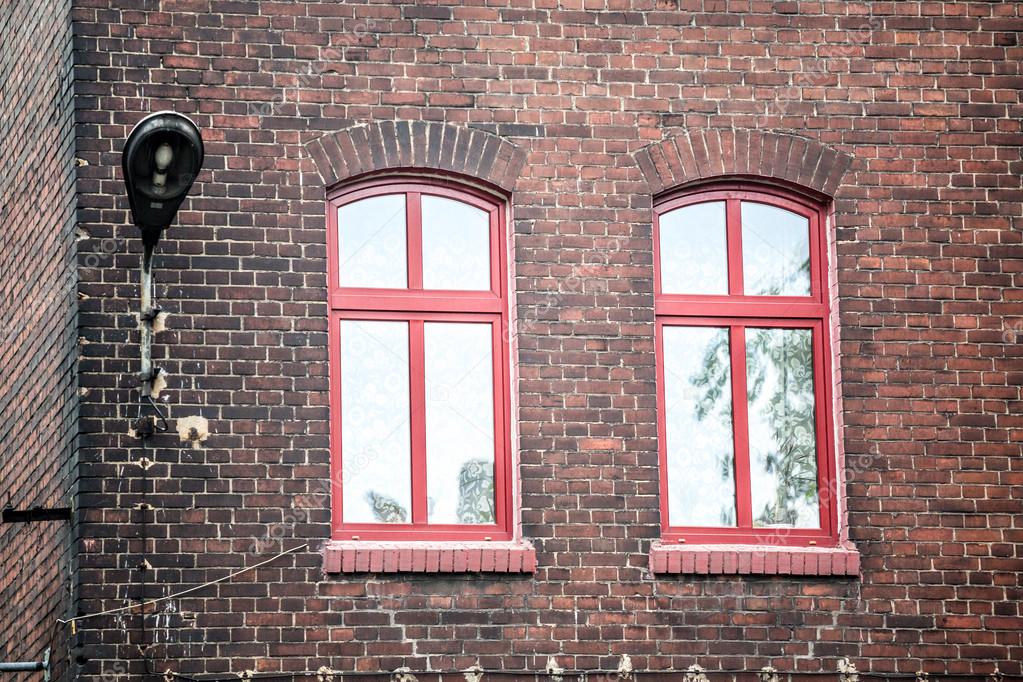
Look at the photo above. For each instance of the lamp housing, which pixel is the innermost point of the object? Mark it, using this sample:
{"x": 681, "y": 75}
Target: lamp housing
{"x": 161, "y": 159}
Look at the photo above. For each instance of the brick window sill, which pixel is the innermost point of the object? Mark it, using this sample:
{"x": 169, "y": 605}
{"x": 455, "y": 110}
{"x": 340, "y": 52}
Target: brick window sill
{"x": 754, "y": 560}
{"x": 428, "y": 557}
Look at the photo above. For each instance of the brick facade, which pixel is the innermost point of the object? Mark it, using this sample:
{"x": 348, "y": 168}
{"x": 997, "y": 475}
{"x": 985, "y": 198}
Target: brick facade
{"x": 904, "y": 115}
{"x": 38, "y": 389}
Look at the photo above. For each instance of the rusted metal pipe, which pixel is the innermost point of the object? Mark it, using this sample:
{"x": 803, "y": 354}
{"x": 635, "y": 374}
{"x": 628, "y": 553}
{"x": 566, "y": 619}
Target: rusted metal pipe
{"x": 146, "y": 317}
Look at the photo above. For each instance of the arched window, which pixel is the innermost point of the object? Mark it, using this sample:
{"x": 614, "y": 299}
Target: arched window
{"x": 743, "y": 349}
{"x": 419, "y": 370}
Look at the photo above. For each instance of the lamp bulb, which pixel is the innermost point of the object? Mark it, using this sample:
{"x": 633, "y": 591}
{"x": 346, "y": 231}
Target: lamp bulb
{"x": 163, "y": 157}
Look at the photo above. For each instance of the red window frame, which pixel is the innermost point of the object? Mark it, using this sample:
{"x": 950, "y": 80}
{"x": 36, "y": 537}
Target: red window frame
{"x": 736, "y": 311}
{"x": 416, "y": 306}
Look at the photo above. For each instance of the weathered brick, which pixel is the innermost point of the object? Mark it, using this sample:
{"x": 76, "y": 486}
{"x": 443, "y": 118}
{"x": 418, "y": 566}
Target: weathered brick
{"x": 580, "y": 113}
{"x": 39, "y": 337}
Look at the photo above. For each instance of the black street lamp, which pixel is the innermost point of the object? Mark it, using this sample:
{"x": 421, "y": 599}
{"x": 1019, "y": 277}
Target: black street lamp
{"x": 161, "y": 158}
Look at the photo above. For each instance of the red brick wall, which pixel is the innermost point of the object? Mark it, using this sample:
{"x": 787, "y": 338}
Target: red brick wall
{"x": 38, "y": 400}
{"x": 924, "y": 98}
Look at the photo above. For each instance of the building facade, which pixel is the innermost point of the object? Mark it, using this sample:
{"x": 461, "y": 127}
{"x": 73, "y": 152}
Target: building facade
{"x": 603, "y": 336}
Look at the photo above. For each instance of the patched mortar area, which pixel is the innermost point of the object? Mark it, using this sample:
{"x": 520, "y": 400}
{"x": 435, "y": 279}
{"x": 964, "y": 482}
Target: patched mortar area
{"x": 194, "y": 430}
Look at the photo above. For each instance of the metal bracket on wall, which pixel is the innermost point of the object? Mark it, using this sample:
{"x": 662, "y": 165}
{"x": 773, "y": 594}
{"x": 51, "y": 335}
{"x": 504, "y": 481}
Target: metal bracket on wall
{"x": 12, "y": 515}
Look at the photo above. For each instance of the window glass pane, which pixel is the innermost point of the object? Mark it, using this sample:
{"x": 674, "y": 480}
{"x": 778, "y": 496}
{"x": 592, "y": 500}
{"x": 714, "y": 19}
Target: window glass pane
{"x": 698, "y": 402}
{"x": 693, "y": 250}
{"x": 456, "y": 245}
{"x": 371, "y": 243}
{"x": 459, "y": 422}
{"x": 775, "y": 251}
{"x": 376, "y": 456}
{"x": 783, "y": 447}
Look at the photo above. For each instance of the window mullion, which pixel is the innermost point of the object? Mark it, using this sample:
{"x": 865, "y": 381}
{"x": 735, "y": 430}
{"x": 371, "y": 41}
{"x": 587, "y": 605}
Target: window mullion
{"x": 496, "y": 260}
{"x": 414, "y": 238}
{"x": 740, "y": 427}
{"x": 417, "y": 419}
{"x": 733, "y": 231}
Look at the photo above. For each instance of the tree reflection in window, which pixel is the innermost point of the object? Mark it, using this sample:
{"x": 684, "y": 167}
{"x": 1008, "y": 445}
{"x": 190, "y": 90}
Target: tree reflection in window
{"x": 386, "y": 509}
{"x": 476, "y": 492}
{"x": 698, "y": 426}
{"x": 475, "y": 497}
{"x": 779, "y": 385}
{"x": 783, "y": 449}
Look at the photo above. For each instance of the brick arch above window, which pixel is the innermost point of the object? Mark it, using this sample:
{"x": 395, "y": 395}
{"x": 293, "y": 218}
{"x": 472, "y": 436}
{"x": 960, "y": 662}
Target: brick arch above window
{"x": 397, "y": 145}
{"x": 705, "y": 154}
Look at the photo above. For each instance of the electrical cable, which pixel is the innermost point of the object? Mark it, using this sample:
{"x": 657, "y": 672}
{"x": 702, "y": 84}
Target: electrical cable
{"x": 190, "y": 590}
